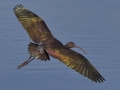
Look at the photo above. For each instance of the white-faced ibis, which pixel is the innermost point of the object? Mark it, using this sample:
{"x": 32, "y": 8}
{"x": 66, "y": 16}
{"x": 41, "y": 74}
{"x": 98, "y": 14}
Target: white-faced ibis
{"x": 40, "y": 34}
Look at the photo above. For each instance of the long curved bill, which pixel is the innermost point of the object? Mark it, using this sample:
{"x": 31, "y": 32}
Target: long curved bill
{"x": 80, "y": 48}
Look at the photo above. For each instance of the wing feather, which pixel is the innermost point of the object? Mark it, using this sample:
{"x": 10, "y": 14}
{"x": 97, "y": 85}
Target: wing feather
{"x": 33, "y": 24}
{"x": 79, "y": 63}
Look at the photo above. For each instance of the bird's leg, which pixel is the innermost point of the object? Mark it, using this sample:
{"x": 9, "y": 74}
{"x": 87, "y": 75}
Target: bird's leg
{"x": 25, "y": 63}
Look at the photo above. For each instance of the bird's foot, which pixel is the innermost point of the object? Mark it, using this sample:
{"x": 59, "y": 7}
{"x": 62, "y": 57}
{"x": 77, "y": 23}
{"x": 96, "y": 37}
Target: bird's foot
{"x": 23, "y": 64}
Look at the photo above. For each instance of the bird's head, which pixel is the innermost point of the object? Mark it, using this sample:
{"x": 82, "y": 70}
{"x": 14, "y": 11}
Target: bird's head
{"x": 72, "y": 45}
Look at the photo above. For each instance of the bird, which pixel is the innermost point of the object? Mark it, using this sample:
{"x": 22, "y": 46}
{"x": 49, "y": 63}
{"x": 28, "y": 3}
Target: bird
{"x": 39, "y": 33}
{"x": 38, "y": 52}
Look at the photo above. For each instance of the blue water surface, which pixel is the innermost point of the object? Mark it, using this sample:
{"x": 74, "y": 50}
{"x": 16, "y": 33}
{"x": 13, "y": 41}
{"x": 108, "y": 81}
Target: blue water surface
{"x": 91, "y": 24}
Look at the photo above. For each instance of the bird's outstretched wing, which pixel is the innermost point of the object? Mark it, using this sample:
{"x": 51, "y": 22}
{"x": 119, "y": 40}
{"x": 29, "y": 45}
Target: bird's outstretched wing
{"x": 79, "y": 63}
{"x": 37, "y": 52}
{"x": 33, "y": 24}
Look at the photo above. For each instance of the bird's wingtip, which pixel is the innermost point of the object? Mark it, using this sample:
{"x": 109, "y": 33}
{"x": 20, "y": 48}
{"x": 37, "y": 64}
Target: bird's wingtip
{"x": 18, "y": 8}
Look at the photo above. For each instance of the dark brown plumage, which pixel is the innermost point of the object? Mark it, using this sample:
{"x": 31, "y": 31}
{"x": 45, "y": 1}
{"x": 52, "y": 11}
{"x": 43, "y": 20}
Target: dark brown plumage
{"x": 40, "y": 33}
{"x": 38, "y": 52}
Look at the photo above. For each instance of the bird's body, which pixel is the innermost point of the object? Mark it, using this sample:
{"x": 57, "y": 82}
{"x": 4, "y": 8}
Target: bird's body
{"x": 40, "y": 34}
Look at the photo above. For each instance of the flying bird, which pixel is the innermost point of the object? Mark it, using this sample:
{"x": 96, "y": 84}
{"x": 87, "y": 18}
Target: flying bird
{"x": 40, "y": 34}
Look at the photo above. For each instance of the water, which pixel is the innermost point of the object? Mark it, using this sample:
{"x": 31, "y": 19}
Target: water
{"x": 93, "y": 25}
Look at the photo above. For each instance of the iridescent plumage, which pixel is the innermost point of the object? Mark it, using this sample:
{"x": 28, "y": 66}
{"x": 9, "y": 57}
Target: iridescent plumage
{"x": 40, "y": 34}
{"x": 38, "y": 52}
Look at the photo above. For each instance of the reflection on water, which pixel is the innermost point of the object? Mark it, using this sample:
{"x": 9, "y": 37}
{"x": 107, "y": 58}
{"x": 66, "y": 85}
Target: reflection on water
{"x": 93, "y": 26}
